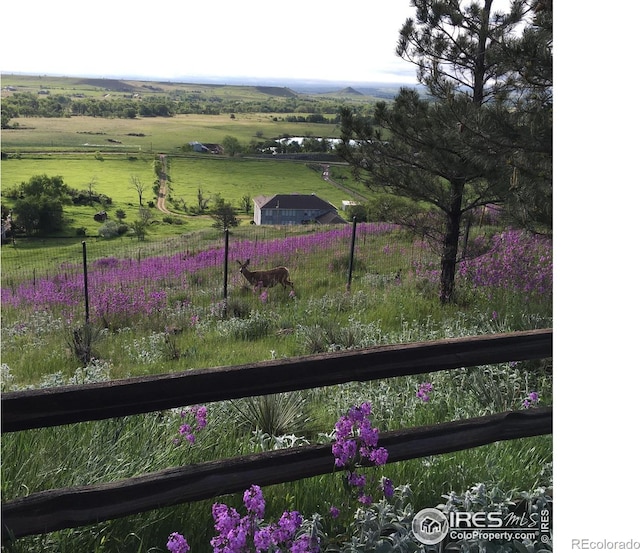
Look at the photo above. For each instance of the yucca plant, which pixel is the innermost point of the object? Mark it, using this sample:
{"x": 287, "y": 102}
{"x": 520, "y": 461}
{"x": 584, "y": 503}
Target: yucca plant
{"x": 275, "y": 414}
{"x": 82, "y": 341}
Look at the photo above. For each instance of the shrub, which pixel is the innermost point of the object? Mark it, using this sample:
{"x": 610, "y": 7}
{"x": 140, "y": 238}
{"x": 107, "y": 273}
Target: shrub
{"x": 172, "y": 220}
{"x": 109, "y": 229}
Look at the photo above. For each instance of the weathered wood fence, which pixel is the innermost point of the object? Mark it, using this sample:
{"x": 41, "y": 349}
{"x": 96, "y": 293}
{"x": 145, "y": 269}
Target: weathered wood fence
{"x": 51, "y": 510}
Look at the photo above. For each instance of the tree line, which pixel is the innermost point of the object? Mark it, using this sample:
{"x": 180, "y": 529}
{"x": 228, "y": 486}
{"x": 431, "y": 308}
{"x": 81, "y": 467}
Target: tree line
{"x": 29, "y": 104}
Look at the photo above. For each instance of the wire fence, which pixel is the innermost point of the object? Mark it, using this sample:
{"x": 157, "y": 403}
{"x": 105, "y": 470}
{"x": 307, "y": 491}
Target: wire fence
{"x": 144, "y": 277}
{"x": 204, "y": 268}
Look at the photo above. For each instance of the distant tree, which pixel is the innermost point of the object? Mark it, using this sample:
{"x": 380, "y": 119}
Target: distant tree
{"x": 120, "y": 215}
{"x": 39, "y": 207}
{"x": 224, "y": 214}
{"x": 203, "y": 201}
{"x": 245, "y": 203}
{"x": 145, "y": 215}
{"x": 359, "y": 212}
{"x": 5, "y": 118}
{"x": 139, "y": 229}
{"x": 138, "y": 186}
{"x": 91, "y": 186}
{"x": 231, "y": 145}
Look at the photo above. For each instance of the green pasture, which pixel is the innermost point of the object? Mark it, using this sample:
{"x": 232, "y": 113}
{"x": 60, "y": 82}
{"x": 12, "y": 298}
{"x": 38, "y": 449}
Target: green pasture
{"x": 234, "y": 178}
{"x": 110, "y": 174}
{"x": 151, "y": 135}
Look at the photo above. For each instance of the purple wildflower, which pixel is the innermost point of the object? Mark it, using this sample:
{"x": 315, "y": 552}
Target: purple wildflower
{"x": 379, "y": 456}
{"x": 177, "y": 543}
{"x": 423, "y": 391}
{"x": 253, "y": 501}
{"x": 357, "y": 480}
{"x": 187, "y": 431}
{"x": 531, "y": 400}
{"x": 263, "y": 538}
{"x": 305, "y": 544}
{"x": 387, "y": 487}
{"x": 334, "y": 512}
{"x": 289, "y": 522}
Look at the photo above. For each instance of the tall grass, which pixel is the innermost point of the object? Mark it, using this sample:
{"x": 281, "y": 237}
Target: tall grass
{"x": 191, "y": 331}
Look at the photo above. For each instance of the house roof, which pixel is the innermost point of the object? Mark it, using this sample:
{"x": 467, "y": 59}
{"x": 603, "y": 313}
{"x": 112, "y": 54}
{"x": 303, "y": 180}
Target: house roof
{"x": 330, "y": 218}
{"x": 293, "y": 201}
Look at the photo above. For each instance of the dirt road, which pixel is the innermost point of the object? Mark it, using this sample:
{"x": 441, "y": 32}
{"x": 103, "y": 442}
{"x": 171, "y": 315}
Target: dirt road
{"x": 162, "y": 192}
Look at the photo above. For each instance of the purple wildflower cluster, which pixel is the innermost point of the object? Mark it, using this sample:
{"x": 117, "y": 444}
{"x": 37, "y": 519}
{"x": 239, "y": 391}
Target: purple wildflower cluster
{"x": 424, "y": 390}
{"x": 127, "y": 289}
{"x": 532, "y": 399}
{"x": 356, "y": 442}
{"x": 197, "y": 420}
{"x": 177, "y": 543}
{"x": 244, "y": 534}
{"x": 515, "y": 260}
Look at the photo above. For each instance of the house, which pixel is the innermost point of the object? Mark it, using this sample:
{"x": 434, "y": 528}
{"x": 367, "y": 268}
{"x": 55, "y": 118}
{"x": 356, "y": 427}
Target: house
{"x": 206, "y": 148}
{"x": 294, "y": 209}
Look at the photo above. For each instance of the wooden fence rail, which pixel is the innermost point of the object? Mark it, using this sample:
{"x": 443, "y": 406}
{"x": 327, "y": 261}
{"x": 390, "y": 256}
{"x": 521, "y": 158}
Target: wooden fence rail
{"x": 70, "y": 404}
{"x": 71, "y": 507}
{"x": 52, "y": 510}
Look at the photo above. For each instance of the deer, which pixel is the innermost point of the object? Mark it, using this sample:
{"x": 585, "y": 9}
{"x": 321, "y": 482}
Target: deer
{"x": 266, "y": 279}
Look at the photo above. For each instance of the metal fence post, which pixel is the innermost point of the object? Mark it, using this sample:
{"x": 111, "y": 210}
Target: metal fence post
{"x": 351, "y": 254}
{"x": 86, "y": 282}
{"x": 226, "y": 270}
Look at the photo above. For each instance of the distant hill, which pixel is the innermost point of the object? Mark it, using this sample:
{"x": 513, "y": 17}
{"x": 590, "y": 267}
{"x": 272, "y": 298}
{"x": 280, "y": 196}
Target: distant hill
{"x": 108, "y": 84}
{"x": 350, "y": 91}
{"x": 224, "y": 87}
{"x": 285, "y": 92}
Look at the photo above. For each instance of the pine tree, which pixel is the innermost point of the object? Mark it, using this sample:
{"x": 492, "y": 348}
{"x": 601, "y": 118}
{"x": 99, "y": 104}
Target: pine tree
{"x": 454, "y": 147}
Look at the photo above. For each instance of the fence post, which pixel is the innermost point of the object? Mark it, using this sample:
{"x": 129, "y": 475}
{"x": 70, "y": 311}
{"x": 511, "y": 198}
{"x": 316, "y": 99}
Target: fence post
{"x": 226, "y": 270}
{"x": 351, "y": 254}
{"x": 86, "y": 282}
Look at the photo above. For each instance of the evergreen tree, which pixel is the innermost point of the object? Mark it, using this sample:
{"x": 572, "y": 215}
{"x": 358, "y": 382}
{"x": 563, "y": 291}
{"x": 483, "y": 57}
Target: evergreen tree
{"x": 453, "y": 149}
{"x": 223, "y": 214}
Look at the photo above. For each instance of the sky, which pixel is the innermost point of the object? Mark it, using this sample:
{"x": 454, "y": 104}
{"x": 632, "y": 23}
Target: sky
{"x": 333, "y": 40}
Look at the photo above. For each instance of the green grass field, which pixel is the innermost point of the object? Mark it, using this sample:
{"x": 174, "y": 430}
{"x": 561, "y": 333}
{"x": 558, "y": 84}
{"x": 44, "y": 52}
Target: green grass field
{"x": 232, "y": 178}
{"x": 150, "y": 135}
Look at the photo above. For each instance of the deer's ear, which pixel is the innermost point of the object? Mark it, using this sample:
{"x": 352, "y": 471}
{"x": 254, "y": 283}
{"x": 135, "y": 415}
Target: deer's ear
{"x": 238, "y": 262}
{"x": 247, "y": 263}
